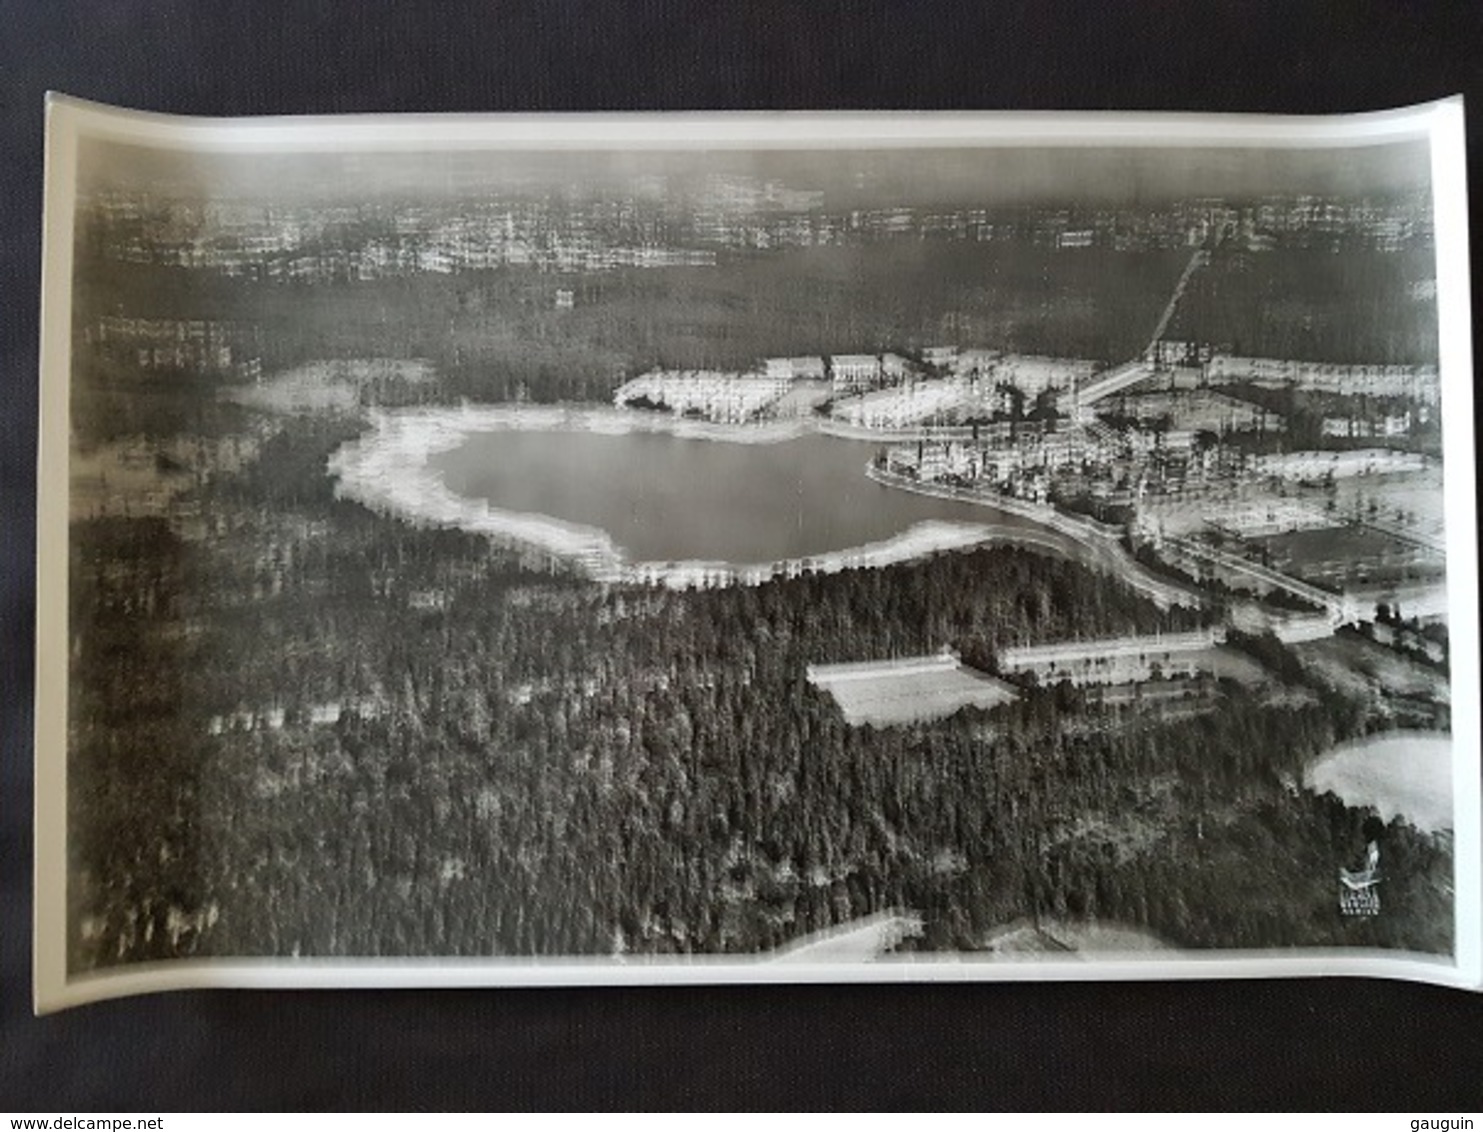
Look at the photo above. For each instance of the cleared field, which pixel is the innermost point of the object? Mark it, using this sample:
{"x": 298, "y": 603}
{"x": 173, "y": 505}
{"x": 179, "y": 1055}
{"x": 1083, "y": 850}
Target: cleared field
{"x": 864, "y": 940}
{"x": 1427, "y": 601}
{"x": 1233, "y": 665}
{"x": 1414, "y": 500}
{"x": 907, "y": 690}
{"x": 1064, "y": 938}
{"x": 1342, "y": 554}
{"x": 1400, "y": 774}
{"x": 326, "y": 386}
{"x": 1337, "y": 544}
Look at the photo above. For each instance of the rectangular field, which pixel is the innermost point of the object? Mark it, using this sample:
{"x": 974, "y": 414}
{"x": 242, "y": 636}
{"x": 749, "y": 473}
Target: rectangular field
{"x": 907, "y": 689}
{"x": 1345, "y": 554}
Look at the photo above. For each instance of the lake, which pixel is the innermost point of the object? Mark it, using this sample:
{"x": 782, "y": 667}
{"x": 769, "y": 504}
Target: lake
{"x": 664, "y": 498}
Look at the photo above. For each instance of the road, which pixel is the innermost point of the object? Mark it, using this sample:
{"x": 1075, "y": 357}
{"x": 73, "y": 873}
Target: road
{"x": 1132, "y": 372}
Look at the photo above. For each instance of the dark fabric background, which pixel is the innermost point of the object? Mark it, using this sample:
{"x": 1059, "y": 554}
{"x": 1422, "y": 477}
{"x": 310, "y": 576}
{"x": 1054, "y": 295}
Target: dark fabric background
{"x": 1336, "y": 1044}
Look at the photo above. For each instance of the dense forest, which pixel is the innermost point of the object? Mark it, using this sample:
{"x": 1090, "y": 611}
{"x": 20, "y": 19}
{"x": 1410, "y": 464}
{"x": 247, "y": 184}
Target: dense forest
{"x": 1342, "y": 304}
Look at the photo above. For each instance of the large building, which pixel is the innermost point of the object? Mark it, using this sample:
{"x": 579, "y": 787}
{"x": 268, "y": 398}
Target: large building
{"x": 1033, "y": 375}
{"x": 940, "y": 356}
{"x": 1115, "y": 660}
{"x": 807, "y": 368}
{"x": 894, "y": 367}
{"x": 1417, "y": 383}
{"x": 921, "y": 402}
{"x": 852, "y": 373}
{"x": 724, "y": 397}
{"x": 203, "y": 345}
{"x": 972, "y": 362}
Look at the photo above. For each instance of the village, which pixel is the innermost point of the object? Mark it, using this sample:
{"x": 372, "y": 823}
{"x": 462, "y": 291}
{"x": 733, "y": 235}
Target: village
{"x": 1181, "y": 457}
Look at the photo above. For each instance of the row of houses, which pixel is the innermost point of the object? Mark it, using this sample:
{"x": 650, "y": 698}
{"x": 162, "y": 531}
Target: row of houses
{"x": 917, "y": 402}
{"x": 978, "y": 383}
{"x": 888, "y": 390}
{"x": 1414, "y": 382}
{"x": 205, "y": 345}
{"x": 1387, "y": 426}
{"x": 1328, "y": 463}
{"x": 1031, "y": 374}
{"x": 856, "y": 373}
{"x": 731, "y": 396}
{"x": 721, "y": 396}
{"x": 859, "y": 373}
{"x": 997, "y": 460}
{"x": 1198, "y": 409}
{"x": 1114, "y": 660}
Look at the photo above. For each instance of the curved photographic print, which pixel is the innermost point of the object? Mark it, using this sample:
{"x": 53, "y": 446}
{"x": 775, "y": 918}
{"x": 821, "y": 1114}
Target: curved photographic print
{"x": 734, "y": 548}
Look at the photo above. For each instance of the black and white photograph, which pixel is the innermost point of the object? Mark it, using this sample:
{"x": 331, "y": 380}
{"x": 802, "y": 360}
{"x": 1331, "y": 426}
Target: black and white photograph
{"x": 772, "y": 548}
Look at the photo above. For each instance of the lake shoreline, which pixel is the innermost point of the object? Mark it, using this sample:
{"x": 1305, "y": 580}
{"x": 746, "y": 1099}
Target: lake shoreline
{"x": 390, "y": 469}
{"x": 1097, "y": 538}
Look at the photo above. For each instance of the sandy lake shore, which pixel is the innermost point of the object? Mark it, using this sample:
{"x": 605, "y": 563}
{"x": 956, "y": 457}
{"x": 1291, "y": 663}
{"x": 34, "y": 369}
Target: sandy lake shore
{"x": 390, "y": 470}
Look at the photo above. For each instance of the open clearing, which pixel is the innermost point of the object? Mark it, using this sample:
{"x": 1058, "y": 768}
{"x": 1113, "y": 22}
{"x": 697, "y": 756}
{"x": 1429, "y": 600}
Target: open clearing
{"x": 330, "y": 386}
{"x": 907, "y": 690}
{"x": 1363, "y": 668}
{"x": 1404, "y": 774}
{"x": 863, "y": 940}
{"x": 1335, "y": 554}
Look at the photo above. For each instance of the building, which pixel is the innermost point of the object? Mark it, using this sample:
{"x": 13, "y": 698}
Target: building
{"x": 1200, "y": 410}
{"x": 1388, "y": 426}
{"x": 935, "y": 461}
{"x": 854, "y": 372}
{"x": 1170, "y": 442}
{"x": 894, "y": 367}
{"x": 920, "y": 402}
{"x": 1418, "y": 383}
{"x": 999, "y": 465}
{"x": 204, "y": 345}
{"x": 1325, "y": 463}
{"x": 1033, "y": 375}
{"x": 809, "y": 367}
{"x": 1116, "y": 660}
{"x": 724, "y": 397}
{"x": 778, "y": 368}
{"x": 1169, "y": 352}
{"x": 975, "y": 362}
